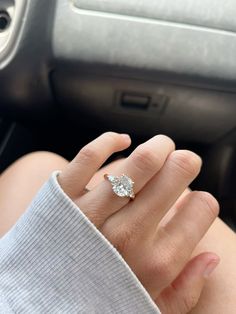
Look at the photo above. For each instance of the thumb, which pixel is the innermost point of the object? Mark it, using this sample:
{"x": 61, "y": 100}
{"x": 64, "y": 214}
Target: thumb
{"x": 184, "y": 293}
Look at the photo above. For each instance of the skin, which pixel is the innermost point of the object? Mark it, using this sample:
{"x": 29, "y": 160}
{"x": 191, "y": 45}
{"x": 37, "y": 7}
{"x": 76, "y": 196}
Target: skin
{"x": 218, "y": 295}
{"x": 165, "y": 290}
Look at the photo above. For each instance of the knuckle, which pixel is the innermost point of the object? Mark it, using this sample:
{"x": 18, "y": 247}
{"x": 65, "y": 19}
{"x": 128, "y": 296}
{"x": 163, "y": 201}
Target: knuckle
{"x": 168, "y": 255}
{"x": 163, "y": 268}
{"x": 94, "y": 217}
{"x": 121, "y": 244}
{"x": 119, "y": 237}
{"x": 210, "y": 203}
{"x": 189, "y": 302}
{"x": 144, "y": 159}
{"x": 88, "y": 153}
{"x": 163, "y": 265}
{"x": 187, "y": 162}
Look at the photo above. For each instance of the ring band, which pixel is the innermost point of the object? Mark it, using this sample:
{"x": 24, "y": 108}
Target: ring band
{"x": 122, "y": 186}
{"x": 86, "y": 190}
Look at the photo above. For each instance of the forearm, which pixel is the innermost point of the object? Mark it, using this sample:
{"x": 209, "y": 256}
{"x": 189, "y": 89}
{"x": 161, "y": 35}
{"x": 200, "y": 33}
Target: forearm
{"x": 218, "y": 295}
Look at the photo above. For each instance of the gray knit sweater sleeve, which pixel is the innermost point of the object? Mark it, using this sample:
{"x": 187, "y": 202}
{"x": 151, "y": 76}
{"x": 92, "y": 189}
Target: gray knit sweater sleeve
{"x": 54, "y": 260}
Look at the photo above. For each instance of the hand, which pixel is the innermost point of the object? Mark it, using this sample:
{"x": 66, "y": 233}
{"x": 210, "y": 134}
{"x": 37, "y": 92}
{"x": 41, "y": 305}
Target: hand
{"x": 158, "y": 253}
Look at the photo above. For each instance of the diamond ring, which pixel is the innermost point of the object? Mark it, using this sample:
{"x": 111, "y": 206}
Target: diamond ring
{"x": 122, "y": 186}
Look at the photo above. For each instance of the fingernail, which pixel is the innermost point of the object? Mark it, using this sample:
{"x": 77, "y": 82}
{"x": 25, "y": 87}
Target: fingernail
{"x": 211, "y": 267}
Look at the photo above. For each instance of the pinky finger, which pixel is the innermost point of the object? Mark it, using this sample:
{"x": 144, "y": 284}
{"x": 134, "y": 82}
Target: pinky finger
{"x": 184, "y": 293}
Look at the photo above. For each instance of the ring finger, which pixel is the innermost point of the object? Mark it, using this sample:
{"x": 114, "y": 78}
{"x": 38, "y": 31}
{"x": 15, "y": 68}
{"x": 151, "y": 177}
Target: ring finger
{"x": 146, "y": 160}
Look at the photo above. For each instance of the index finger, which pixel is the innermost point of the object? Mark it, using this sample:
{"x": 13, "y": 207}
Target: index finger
{"x": 91, "y": 157}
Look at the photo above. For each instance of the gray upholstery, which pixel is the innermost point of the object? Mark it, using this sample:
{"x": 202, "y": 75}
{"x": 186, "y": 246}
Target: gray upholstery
{"x": 210, "y": 13}
{"x": 148, "y": 44}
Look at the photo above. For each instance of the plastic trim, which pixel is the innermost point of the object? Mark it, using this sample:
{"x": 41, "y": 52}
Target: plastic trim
{"x": 18, "y": 18}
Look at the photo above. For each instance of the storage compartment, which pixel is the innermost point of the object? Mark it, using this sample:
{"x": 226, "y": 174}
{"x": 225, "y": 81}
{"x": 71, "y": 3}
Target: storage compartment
{"x": 148, "y": 108}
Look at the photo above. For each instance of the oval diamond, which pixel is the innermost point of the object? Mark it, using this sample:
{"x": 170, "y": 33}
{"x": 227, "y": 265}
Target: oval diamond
{"x": 122, "y": 186}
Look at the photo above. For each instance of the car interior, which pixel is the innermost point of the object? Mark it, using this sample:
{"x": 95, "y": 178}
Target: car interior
{"x": 72, "y": 69}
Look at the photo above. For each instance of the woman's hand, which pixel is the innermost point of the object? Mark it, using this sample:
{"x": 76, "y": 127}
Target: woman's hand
{"x": 159, "y": 252}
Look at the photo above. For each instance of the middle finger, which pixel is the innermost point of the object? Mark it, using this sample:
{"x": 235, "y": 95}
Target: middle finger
{"x": 159, "y": 195}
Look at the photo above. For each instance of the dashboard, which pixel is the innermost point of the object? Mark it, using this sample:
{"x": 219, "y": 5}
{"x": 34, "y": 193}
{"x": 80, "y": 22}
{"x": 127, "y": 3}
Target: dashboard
{"x": 136, "y": 66}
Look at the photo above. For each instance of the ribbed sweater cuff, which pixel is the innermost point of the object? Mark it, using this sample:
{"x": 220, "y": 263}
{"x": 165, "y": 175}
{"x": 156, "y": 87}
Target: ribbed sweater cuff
{"x": 54, "y": 260}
